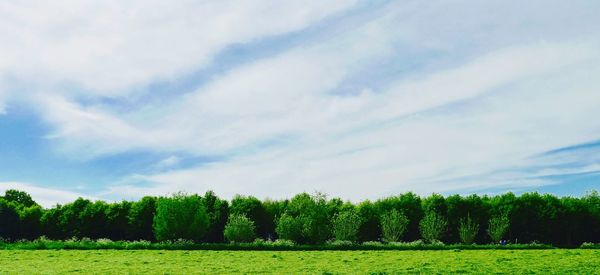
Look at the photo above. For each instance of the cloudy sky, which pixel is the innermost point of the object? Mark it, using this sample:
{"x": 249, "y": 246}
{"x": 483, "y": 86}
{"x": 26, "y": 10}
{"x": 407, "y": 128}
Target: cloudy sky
{"x": 358, "y": 99}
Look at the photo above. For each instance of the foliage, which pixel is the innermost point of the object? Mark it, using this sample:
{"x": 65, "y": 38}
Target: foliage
{"x": 587, "y": 245}
{"x": 9, "y": 220}
{"x": 19, "y": 198}
{"x": 117, "y": 221}
{"x": 306, "y": 219}
{"x": 239, "y": 229}
{"x": 180, "y": 217}
{"x": 346, "y": 225}
{"x": 140, "y": 219}
{"x": 432, "y": 226}
{"x": 218, "y": 212}
{"x": 497, "y": 227}
{"x": 252, "y": 208}
{"x": 289, "y": 228}
{"x": 311, "y": 214}
{"x": 30, "y": 222}
{"x": 393, "y": 225}
{"x": 468, "y": 230}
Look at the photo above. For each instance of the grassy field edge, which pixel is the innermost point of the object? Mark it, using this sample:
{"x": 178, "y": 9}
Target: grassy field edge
{"x": 260, "y": 246}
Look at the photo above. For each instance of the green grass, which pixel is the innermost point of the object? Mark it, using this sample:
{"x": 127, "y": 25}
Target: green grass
{"x": 557, "y": 261}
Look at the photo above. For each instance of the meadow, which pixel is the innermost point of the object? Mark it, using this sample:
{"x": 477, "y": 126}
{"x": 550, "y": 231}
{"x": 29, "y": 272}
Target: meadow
{"x": 549, "y": 261}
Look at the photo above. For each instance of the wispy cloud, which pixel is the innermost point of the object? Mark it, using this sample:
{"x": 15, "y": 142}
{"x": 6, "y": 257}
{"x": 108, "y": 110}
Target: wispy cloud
{"x": 428, "y": 97}
{"x": 419, "y": 135}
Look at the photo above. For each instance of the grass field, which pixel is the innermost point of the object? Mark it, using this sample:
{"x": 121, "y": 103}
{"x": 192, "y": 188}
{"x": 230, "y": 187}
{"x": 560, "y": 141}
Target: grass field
{"x": 559, "y": 261}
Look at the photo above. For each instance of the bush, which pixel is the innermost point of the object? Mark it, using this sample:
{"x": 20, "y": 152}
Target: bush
{"x": 467, "y": 230}
{"x": 239, "y": 229}
{"x": 289, "y": 228}
{"x": 393, "y": 225}
{"x": 372, "y": 243}
{"x": 346, "y": 225}
{"x": 283, "y": 243}
{"x": 588, "y": 245}
{"x": 180, "y": 217}
{"x": 497, "y": 227}
{"x": 432, "y": 227}
{"x": 340, "y": 243}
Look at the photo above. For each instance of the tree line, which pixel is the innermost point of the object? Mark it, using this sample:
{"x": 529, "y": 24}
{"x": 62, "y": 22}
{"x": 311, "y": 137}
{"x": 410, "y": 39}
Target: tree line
{"x": 311, "y": 219}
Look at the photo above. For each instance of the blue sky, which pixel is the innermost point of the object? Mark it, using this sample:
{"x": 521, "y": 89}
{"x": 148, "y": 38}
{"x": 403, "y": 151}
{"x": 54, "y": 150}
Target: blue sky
{"x": 357, "y": 99}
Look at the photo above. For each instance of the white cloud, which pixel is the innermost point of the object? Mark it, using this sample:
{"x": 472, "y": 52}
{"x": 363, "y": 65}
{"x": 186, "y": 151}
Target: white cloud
{"x": 442, "y": 96}
{"x": 110, "y": 46}
{"x": 274, "y": 96}
{"x": 44, "y": 196}
{"x": 528, "y": 110}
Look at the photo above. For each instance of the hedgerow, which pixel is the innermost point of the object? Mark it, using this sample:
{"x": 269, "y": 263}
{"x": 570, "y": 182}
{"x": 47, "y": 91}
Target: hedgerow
{"x": 43, "y": 243}
{"x": 305, "y": 219}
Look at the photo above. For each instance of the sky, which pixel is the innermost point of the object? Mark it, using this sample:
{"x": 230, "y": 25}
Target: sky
{"x": 360, "y": 100}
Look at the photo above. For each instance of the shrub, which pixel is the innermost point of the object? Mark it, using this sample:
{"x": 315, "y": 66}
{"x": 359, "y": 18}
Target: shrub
{"x": 289, "y": 228}
{"x": 283, "y": 243}
{"x": 497, "y": 227}
{"x": 393, "y": 225}
{"x": 239, "y": 229}
{"x": 588, "y": 245}
{"x": 180, "y": 217}
{"x": 372, "y": 243}
{"x": 467, "y": 230}
{"x": 432, "y": 227}
{"x": 340, "y": 243}
{"x": 346, "y": 225}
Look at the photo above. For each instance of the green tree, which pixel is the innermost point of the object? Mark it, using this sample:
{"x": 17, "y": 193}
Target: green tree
{"x": 140, "y": 218}
{"x": 117, "y": 220}
{"x": 9, "y": 220}
{"x": 467, "y": 230}
{"x": 70, "y": 219}
{"x": 433, "y": 226}
{"x": 218, "y": 212}
{"x": 497, "y": 227}
{"x": 30, "y": 222}
{"x": 50, "y": 223}
{"x": 346, "y": 225}
{"x": 180, "y": 217}
{"x": 93, "y": 223}
{"x": 19, "y": 197}
{"x": 289, "y": 228}
{"x": 410, "y": 205}
{"x": 252, "y": 208}
{"x": 370, "y": 229}
{"x": 393, "y": 225}
{"x": 313, "y": 213}
{"x": 274, "y": 209}
{"x": 239, "y": 229}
